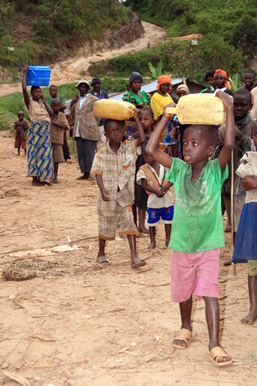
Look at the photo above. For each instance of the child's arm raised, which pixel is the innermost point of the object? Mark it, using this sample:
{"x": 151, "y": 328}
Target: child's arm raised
{"x": 141, "y": 133}
{"x": 229, "y": 139}
{"x": 24, "y": 87}
{"x": 152, "y": 146}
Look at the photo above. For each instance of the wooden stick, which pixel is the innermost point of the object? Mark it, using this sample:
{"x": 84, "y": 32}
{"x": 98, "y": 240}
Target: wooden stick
{"x": 232, "y": 209}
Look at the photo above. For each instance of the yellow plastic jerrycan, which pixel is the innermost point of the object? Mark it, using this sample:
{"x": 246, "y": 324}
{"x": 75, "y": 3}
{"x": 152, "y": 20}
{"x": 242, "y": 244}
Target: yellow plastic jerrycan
{"x": 201, "y": 109}
{"x": 120, "y": 110}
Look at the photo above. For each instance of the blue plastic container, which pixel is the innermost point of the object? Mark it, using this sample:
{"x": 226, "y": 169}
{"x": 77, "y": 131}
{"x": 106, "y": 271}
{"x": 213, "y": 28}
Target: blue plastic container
{"x": 38, "y": 76}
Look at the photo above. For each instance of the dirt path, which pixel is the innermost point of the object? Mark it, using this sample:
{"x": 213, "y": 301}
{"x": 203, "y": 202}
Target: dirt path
{"x": 81, "y": 324}
{"x": 69, "y": 70}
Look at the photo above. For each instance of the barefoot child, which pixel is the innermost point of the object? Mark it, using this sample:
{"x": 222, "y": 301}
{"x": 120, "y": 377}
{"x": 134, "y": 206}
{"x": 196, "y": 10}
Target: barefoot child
{"x": 40, "y": 158}
{"x": 21, "y": 127}
{"x": 59, "y": 125}
{"x": 146, "y": 120}
{"x": 197, "y": 228}
{"x": 160, "y": 201}
{"x": 246, "y": 236}
{"x": 114, "y": 167}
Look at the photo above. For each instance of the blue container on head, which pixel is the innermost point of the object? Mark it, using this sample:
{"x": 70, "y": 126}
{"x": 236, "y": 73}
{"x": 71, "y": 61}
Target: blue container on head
{"x": 38, "y": 76}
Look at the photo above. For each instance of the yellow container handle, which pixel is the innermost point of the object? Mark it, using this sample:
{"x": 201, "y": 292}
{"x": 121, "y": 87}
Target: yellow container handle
{"x": 171, "y": 110}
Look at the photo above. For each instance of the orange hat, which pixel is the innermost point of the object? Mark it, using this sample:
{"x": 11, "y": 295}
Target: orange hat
{"x": 222, "y": 72}
{"x": 163, "y": 79}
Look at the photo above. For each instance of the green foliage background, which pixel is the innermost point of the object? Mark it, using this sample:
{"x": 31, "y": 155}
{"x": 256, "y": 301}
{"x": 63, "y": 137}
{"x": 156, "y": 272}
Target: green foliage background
{"x": 42, "y": 29}
{"x": 229, "y": 31}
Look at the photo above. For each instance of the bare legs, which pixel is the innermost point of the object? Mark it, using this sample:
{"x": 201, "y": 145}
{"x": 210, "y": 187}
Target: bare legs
{"x": 152, "y": 231}
{"x": 252, "y": 286}
{"x": 55, "y": 179}
{"x": 212, "y": 318}
{"x": 141, "y": 217}
{"x": 135, "y": 261}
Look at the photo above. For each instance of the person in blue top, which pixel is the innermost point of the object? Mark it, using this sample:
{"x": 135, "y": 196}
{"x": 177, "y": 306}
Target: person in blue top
{"x": 197, "y": 230}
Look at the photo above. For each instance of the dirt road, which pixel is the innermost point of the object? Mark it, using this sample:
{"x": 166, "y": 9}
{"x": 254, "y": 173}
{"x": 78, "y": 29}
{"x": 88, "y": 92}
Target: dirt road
{"x": 77, "y": 323}
{"x": 69, "y": 70}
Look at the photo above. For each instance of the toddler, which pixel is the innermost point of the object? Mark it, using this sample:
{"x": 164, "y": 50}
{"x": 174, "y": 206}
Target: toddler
{"x": 21, "y": 127}
{"x": 160, "y": 201}
{"x": 59, "y": 124}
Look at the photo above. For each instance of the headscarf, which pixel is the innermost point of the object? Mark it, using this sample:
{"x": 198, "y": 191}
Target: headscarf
{"x": 135, "y": 76}
{"x": 184, "y": 88}
{"x": 222, "y": 72}
{"x": 163, "y": 79}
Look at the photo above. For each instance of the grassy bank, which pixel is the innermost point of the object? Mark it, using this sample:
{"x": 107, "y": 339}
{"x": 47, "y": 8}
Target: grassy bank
{"x": 179, "y": 58}
{"x": 41, "y": 31}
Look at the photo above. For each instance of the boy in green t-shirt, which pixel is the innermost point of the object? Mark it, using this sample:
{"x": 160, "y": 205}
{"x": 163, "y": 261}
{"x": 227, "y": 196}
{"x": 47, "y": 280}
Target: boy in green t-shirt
{"x": 197, "y": 230}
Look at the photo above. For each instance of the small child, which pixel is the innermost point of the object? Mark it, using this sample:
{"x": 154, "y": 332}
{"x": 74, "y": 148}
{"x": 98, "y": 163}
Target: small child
{"x": 197, "y": 228}
{"x": 146, "y": 119}
{"x": 246, "y": 236}
{"x": 59, "y": 124}
{"x": 160, "y": 201}
{"x": 114, "y": 167}
{"x": 21, "y": 127}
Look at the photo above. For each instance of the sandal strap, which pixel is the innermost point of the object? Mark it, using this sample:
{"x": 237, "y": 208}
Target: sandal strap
{"x": 184, "y": 335}
{"x": 217, "y": 352}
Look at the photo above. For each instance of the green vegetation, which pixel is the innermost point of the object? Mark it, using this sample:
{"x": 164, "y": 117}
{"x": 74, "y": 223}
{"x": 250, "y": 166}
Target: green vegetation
{"x": 229, "y": 31}
{"x": 11, "y": 104}
{"x": 178, "y": 59}
{"x": 39, "y": 30}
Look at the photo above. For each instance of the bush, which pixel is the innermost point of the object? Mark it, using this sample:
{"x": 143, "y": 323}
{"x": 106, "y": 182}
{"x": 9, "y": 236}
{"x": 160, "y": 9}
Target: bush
{"x": 245, "y": 36}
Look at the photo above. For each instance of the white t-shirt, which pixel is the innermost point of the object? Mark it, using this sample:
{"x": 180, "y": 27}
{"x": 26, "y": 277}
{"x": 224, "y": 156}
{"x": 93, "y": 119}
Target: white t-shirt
{"x": 81, "y": 101}
{"x": 153, "y": 201}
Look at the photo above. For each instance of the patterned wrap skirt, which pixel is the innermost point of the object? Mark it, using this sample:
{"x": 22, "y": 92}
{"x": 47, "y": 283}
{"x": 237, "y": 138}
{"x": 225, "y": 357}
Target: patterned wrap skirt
{"x": 39, "y": 151}
{"x": 246, "y": 235}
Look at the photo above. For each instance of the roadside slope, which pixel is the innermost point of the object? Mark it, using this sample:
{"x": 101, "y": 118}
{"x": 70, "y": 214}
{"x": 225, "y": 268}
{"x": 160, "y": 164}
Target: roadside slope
{"x": 70, "y": 70}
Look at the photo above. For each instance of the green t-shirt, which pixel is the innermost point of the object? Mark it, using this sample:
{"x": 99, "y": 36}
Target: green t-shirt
{"x": 197, "y": 224}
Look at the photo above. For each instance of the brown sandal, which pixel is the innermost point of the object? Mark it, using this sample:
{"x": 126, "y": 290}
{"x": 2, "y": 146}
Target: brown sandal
{"x": 216, "y": 353}
{"x": 186, "y": 337}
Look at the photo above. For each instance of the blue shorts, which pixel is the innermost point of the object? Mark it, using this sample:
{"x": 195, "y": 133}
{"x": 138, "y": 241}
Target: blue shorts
{"x": 154, "y": 215}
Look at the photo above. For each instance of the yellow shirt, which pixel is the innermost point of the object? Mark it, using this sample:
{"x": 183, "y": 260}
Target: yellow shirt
{"x": 158, "y": 102}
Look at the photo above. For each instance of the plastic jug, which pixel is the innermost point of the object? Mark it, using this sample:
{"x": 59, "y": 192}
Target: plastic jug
{"x": 201, "y": 109}
{"x": 120, "y": 110}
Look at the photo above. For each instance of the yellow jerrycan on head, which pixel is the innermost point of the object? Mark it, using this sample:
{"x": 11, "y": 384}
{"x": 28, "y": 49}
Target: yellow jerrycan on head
{"x": 112, "y": 109}
{"x": 201, "y": 109}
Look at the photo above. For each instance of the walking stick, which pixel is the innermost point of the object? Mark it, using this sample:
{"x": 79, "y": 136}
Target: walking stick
{"x": 232, "y": 209}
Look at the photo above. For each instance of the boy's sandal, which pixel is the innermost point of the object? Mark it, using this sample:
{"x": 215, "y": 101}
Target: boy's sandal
{"x": 186, "y": 337}
{"x": 138, "y": 263}
{"x": 102, "y": 260}
{"x": 216, "y": 353}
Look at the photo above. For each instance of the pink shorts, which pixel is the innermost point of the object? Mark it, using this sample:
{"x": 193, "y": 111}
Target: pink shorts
{"x": 194, "y": 274}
